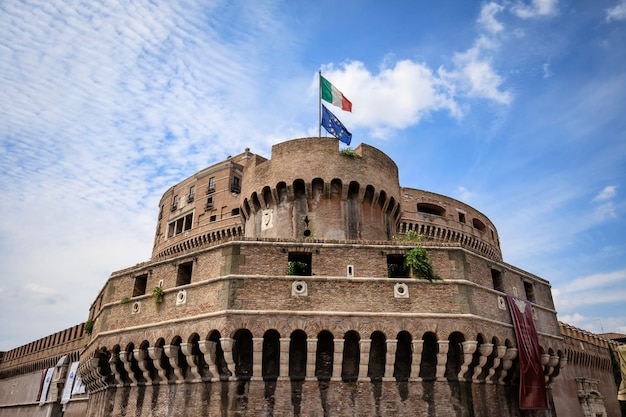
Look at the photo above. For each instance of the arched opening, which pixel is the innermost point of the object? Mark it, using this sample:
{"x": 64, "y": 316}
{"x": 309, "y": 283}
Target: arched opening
{"x": 182, "y": 362}
{"x": 378, "y": 352}
{"x": 281, "y": 190}
{"x": 455, "y": 356}
{"x": 428, "y": 367}
{"x": 351, "y": 356}
{"x": 479, "y": 225}
{"x": 353, "y": 210}
{"x": 402, "y": 366}
{"x": 335, "y": 188}
{"x": 317, "y": 187}
{"x": 267, "y": 197}
{"x": 242, "y": 353}
{"x": 198, "y": 357}
{"x": 324, "y": 355}
{"x": 271, "y": 355}
{"x": 432, "y": 209}
{"x": 256, "y": 204}
{"x": 297, "y": 355}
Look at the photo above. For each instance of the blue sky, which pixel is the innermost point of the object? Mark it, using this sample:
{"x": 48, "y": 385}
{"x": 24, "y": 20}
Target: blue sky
{"x": 514, "y": 107}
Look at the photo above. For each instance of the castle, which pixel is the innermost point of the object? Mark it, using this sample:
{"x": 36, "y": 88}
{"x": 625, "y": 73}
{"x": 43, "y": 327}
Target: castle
{"x": 281, "y": 287}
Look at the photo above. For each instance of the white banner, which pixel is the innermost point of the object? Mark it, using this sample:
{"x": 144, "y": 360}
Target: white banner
{"x": 69, "y": 382}
{"x": 79, "y": 387}
{"x": 46, "y": 386}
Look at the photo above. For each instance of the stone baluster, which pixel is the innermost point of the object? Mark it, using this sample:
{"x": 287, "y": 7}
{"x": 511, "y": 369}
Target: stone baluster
{"x": 126, "y": 358}
{"x": 311, "y": 354}
{"x": 390, "y": 358}
{"x": 500, "y": 351}
{"x": 545, "y": 358}
{"x": 507, "y": 362}
{"x": 337, "y": 360}
{"x": 257, "y": 359}
{"x": 171, "y": 351}
{"x": 99, "y": 377}
{"x": 113, "y": 363}
{"x": 141, "y": 356}
{"x": 192, "y": 361}
{"x": 485, "y": 350}
{"x": 283, "y": 370}
{"x": 468, "y": 347}
{"x": 156, "y": 353}
{"x": 416, "y": 360}
{"x": 208, "y": 348}
{"x": 227, "y": 348}
{"x": 364, "y": 349}
{"x": 552, "y": 363}
{"x": 442, "y": 357}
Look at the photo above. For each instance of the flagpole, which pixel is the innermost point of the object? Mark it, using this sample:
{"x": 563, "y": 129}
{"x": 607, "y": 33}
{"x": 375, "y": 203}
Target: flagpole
{"x": 319, "y": 116}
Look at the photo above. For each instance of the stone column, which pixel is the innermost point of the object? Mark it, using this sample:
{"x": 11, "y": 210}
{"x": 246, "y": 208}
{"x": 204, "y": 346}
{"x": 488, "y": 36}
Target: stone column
{"x": 485, "y": 350}
{"x": 125, "y": 357}
{"x": 142, "y": 358}
{"x": 283, "y": 371}
{"x": 552, "y": 363}
{"x": 337, "y": 360}
{"x": 227, "y": 348}
{"x": 416, "y": 360}
{"x": 500, "y": 351}
{"x": 364, "y": 348}
{"x": 155, "y": 354}
{"x": 469, "y": 347}
{"x": 257, "y": 359}
{"x": 390, "y": 358}
{"x": 192, "y": 361}
{"x": 171, "y": 351}
{"x": 311, "y": 354}
{"x": 442, "y": 358}
{"x": 507, "y": 362}
{"x": 208, "y": 348}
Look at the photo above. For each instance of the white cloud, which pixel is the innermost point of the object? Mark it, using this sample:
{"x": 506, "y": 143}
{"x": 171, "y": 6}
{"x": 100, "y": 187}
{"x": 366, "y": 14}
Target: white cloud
{"x": 535, "y": 8}
{"x": 547, "y": 73}
{"x": 487, "y": 18}
{"x": 607, "y": 193}
{"x": 617, "y": 13}
{"x": 463, "y": 194}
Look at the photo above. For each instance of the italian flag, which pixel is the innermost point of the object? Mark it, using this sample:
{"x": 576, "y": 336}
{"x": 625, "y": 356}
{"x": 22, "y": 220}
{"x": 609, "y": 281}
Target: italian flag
{"x": 334, "y": 96}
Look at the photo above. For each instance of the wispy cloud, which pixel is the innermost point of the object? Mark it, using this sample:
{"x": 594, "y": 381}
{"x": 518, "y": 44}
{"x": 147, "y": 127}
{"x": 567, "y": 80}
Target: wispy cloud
{"x": 607, "y": 193}
{"x": 616, "y": 13}
{"x": 535, "y": 8}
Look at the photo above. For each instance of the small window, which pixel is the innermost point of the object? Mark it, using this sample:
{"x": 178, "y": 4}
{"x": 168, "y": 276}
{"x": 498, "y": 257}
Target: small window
{"x": 213, "y": 218}
{"x": 211, "y": 185}
{"x": 175, "y": 203}
{"x": 234, "y": 212}
{"x": 140, "y": 285}
{"x": 530, "y": 291}
{"x": 432, "y": 209}
{"x": 299, "y": 264}
{"x": 479, "y": 225}
{"x": 236, "y": 186}
{"x": 184, "y": 274}
{"x": 496, "y": 277}
{"x": 461, "y": 217}
{"x": 192, "y": 194}
{"x": 396, "y": 267}
{"x": 209, "y": 203}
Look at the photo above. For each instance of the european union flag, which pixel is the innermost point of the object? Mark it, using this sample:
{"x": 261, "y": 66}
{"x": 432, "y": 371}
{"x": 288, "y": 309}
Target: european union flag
{"x": 334, "y": 126}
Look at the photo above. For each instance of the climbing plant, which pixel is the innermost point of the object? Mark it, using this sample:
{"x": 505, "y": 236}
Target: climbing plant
{"x": 158, "y": 295}
{"x": 89, "y": 326}
{"x": 417, "y": 258}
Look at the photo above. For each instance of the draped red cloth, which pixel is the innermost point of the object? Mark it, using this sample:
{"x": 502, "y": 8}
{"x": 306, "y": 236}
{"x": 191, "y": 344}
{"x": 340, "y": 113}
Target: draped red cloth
{"x": 532, "y": 387}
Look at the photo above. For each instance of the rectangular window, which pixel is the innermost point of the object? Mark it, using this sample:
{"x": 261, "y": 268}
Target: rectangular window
{"x": 461, "y": 217}
{"x": 299, "y": 263}
{"x": 213, "y": 218}
{"x": 140, "y": 285}
{"x": 530, "y": 291}
{"x": 209, "y": 203}
{"x": 236, "y": 186}
{"x": 234, "y": 212}
{"x": 180, "y": 225}
{"x": 496, "y": 278}
{"x": 192, "y": 194}
{"x": 184, "y": 274}
{"x": 396, "y": 267}
{"x": 175, "y": 203}
{"x": 211, "y": 185}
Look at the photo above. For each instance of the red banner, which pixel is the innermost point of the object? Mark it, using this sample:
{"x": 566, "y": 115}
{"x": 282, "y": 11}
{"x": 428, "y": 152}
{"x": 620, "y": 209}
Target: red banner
{"x": 532, "y": 387}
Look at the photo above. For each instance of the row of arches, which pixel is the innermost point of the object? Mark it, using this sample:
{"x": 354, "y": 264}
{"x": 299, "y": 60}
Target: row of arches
{"x": 39, "y": 364}
{"x": 443, "y": 234}
{"x": 205, "y": 239}
{"x": 301, "y": 356}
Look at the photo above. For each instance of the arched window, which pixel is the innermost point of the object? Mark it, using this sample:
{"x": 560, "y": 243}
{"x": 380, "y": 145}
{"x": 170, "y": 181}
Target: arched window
{"x": 428, "y": 367}
{"x": 297, "y": 355}
{"x": 242, "y": 353}
{"x": 271, "y": 355}
{"x": 378, "y": 352}
{"x": 324, "y": 355}
{"x": 351, "y": 356}
{"x": 402, "y": 367}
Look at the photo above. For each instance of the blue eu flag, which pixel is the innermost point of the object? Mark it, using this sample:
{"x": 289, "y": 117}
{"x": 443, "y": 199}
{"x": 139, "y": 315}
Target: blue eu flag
{"x": 334, "y": 126}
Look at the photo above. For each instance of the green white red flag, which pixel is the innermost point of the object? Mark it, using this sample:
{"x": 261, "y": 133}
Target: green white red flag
{"x": 334, "y": 96}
